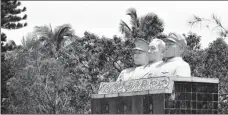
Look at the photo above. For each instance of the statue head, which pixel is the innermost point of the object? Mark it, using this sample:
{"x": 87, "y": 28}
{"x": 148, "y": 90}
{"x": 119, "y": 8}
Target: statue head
{"x": 156, "y": 49}
{"x": 175, "y": 45}
{"x": 141, "y": 52}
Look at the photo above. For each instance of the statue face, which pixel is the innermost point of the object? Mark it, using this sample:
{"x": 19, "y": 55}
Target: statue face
{"x": 140, "y": 57}
{"x": 153, "y": 52}
{"x": 171, "y": 49}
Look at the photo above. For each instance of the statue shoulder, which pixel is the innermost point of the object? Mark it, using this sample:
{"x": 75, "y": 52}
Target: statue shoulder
{"x": 183, "y": 70}
{"x": 184, "y": 64}
{"x": 125, "y": 74}
{"x": 128, "y": 69}
{"x": 156, "y": 64}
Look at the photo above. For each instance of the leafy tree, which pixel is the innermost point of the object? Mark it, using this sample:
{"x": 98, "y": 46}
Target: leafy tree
{"x": 10, "y": 45}
{"x": 193, "y": 54}
{"x": 6, "y": 66}
{"x": 10, "y": 18}
{"x": 145, "y": 27}
{"x": 216, "y": 62}
{"x": 10, "y": 13}
{"x": 30, "y": 68}
{"x": 75, "y": 70}
{"x": 44, "y": 36}
{"x": 214, "y": 59}
{"x": 3, "y": 39}
{"x": 193, "y": 41}
{"x": 212, "y": 63}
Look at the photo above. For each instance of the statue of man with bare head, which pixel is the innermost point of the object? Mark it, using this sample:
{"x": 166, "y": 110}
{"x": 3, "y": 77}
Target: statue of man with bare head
{"x": 156, "y": 49}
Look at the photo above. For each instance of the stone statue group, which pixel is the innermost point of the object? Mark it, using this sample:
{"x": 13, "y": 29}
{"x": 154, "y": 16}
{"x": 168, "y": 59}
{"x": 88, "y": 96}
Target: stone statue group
{"x": 158, "y": 58}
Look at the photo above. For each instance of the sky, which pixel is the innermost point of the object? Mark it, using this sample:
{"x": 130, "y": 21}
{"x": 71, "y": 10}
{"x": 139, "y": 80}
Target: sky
{"x": 103, "y": 17}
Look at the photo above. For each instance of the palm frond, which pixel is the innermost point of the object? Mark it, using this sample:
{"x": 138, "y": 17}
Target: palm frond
{"x": 132, "y": 12}
{"x": 134, "y": 18}
{"x": 195, "y": 20}
{"x": 146, "y": 21}
{"x": 143, "y": 27}
{"x": 29, "y": 40}
{"x": 43, "y": 31}
{"x": 223, "y": 31}
{"x": 60, "y": 32}
{"x": 125, "y": 29}
{"x": 217, "y": 20}
{"x": 151, "y": 25}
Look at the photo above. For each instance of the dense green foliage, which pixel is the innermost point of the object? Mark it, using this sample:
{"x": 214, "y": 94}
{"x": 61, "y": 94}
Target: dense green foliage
{"x": 61, "y": 80}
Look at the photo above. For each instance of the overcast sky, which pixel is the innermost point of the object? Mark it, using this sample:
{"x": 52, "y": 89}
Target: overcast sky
{"x": 103, "y": 17}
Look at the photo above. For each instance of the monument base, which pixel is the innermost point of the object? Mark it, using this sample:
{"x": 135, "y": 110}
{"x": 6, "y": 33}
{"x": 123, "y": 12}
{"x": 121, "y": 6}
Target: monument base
{"x": 190, "y": 96}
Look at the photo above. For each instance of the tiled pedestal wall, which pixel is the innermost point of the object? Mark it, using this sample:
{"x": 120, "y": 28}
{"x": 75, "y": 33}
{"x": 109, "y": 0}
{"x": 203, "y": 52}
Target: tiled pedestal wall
{"x": 192, "y": 98}
{"x": 187, "y": 98}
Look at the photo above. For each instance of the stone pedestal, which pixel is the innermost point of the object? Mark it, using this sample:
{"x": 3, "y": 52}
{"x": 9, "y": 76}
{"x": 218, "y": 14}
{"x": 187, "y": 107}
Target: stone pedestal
{"x": 186, "y": 96}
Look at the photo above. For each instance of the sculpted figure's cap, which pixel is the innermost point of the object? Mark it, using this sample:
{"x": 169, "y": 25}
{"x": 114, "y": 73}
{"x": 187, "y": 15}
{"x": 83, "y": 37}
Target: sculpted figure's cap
{"x": 177, "y": 38}
{"x": 141, "y": 44}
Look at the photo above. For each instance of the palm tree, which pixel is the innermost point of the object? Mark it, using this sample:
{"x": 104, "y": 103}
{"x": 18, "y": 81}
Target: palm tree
{"x": 145, "y": 27}
{"x": 43, "y": 50}
{"x": 44, "y": 37}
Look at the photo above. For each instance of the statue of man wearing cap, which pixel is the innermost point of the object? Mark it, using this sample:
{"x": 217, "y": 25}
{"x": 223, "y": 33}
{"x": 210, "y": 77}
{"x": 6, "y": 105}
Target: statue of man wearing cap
{"x": 173, "y": 64}
{"x": 141, "y": 59}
